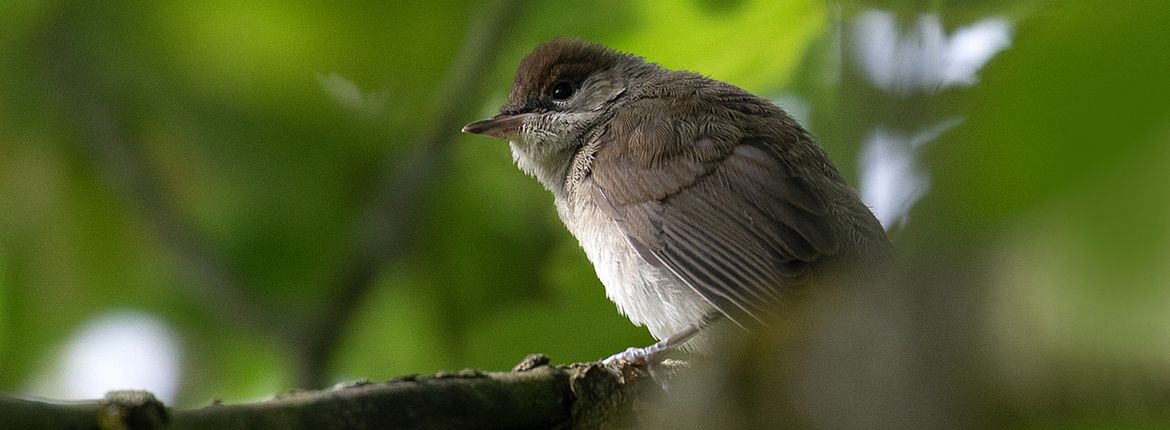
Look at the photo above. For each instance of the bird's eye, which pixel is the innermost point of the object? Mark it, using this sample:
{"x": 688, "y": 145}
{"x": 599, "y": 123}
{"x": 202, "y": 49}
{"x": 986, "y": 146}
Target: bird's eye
{"x": 562, "y": 91}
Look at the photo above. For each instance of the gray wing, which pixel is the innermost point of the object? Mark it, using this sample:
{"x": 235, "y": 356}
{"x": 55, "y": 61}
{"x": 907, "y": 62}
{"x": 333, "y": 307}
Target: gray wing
{"x": 732, "y": 218}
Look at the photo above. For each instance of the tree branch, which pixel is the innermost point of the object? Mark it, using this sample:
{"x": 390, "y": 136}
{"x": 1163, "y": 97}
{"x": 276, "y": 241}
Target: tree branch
{"x": 535, "y": 395}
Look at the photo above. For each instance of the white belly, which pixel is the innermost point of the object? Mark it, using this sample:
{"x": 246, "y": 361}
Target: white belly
{"x": 648, "y": 296}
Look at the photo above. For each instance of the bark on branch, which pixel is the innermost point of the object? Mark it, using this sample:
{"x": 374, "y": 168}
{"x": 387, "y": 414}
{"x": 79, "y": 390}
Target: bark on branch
{"x": 534, "y": 395}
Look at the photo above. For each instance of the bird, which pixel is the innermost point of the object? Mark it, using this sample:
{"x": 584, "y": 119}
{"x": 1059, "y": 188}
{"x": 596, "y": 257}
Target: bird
{"x": 695, "y": 200}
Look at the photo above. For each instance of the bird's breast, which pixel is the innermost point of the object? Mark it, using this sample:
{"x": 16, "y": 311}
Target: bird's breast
{"x": 644, "y": 292}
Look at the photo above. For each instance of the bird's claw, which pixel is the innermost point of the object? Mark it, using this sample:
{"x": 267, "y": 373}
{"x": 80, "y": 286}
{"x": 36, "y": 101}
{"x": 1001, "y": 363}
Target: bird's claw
{"x": 647, "y": 356}
{"x": 631, "y": 355}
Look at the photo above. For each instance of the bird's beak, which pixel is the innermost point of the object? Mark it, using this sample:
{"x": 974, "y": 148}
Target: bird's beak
{"x": 503, "y": 126}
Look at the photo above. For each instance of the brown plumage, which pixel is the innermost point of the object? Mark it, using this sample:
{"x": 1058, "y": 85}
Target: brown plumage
{"x": 692, "y": 197}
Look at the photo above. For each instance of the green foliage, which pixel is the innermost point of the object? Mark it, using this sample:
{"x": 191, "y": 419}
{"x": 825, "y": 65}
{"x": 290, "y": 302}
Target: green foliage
{"x": 270, "y": 128}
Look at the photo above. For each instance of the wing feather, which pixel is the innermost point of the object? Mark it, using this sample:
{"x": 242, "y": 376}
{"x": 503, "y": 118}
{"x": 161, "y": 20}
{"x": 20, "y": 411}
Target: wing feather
{"x": 731, "y": 218}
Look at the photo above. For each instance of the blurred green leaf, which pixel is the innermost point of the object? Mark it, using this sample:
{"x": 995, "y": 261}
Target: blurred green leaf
{"x": 1058, "y": 108}
{"x": 269, "y": 128}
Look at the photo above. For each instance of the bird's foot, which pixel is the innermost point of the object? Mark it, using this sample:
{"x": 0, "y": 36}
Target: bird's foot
{"x": 654, "y": 354}
{"x": 648, "y": 356}
{"x": 651, "y": 358}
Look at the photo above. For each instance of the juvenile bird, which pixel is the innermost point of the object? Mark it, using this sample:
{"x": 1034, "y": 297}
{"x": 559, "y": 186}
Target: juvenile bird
{"x": 694, "y": 199}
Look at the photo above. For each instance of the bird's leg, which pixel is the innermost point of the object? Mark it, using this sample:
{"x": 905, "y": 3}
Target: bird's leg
{"x": 654, "y": 354}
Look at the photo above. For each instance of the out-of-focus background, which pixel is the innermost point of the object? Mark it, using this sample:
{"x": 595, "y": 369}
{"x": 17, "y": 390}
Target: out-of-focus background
{"x": 226, "y": 200}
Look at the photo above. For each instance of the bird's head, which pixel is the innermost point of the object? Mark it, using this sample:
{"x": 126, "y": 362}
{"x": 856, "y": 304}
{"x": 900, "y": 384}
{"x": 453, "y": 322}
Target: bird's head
{"x": 562, "y": 91}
